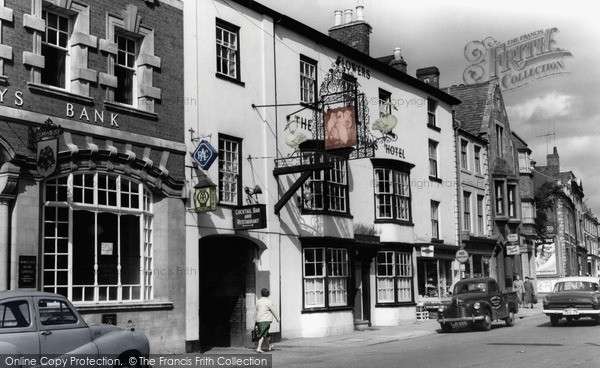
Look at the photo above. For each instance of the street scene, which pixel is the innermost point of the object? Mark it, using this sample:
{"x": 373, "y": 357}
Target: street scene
{"x": 267, "y": 183}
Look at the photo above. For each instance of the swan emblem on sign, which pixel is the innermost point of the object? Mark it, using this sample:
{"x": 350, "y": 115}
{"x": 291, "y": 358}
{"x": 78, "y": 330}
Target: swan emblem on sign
{"x": 294, "y": 139}
{"x": 386, "y": 122}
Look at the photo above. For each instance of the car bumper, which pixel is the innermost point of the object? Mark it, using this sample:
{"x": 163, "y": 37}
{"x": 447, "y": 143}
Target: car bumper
{"x": 470, "y": 319}
{"x": 580, "y": 312}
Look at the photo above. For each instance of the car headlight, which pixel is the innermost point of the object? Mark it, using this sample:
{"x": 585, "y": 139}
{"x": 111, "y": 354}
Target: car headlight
{"x": 441, "y": 308}
{"x": 477, "y": 305}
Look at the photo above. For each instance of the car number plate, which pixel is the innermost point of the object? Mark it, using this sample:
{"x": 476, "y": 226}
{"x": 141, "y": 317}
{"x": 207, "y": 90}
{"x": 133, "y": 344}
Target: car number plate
{"x": 570, "y": 312}
{"x": 460, "y": 323}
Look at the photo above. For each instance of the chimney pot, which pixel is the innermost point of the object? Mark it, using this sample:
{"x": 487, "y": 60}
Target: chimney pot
{"x": 397, "y": 53}
{"x": 360, "y": 13}
{"x": 347, "y": 16}
{"x": 337, "y": 18}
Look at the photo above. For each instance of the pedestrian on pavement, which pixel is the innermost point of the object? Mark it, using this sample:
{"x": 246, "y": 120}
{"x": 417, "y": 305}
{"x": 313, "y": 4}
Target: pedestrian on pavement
{"x": 529, "y": 293}
{"x": 265, "y": 311}
{"x": 519, "y": 289}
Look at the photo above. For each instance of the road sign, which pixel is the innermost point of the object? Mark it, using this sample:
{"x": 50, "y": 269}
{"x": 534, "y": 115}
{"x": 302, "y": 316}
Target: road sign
{"x": 204, "y": 155}
{"x": 462, "y": 256}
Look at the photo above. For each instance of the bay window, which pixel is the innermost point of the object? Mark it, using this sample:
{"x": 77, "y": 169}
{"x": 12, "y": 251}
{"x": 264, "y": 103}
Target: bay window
{"x": 326, "y": 277}
{"x": 394, "y": 277}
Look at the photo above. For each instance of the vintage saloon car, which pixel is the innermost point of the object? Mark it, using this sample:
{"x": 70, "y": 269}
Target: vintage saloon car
{"x": 478, "y": 302}
{"x": 36, "y": 325}
{"x": 573, "y": 297}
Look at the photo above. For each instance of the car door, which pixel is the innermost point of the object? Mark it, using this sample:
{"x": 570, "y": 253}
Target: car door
{"x": 61, "y": 329}
{"x": 496, "y": 301}
{"x": 18, "y": 333}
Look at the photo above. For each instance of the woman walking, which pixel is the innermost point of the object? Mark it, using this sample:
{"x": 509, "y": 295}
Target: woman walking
{"x": 265, "y": 311}
{"x": 529, "y": 293}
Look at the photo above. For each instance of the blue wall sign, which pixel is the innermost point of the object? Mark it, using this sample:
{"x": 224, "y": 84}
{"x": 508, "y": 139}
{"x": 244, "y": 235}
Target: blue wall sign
{"x": 204, "y": 155}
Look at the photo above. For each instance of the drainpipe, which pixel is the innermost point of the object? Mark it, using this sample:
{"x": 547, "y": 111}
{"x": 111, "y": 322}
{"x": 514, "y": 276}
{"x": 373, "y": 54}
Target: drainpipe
{"x": 456, "y": 126}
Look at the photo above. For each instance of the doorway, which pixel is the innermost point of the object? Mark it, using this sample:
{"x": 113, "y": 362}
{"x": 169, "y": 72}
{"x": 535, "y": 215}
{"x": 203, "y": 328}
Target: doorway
{"x": 226, "y": 275}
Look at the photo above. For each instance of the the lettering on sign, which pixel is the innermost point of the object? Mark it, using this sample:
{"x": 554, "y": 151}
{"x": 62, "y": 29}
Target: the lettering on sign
{"x": 18, "y": 97}
{"x": 393, "y": 150}
{"x": 97, "y": 116}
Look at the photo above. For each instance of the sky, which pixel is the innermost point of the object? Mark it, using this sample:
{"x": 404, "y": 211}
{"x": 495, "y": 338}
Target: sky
{"x": 560, "y": 111}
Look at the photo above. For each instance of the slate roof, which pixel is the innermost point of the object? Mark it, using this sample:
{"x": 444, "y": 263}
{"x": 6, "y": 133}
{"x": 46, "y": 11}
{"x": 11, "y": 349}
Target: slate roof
{"x": 475, "y": 98}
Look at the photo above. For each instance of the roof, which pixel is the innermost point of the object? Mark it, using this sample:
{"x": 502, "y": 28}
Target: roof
{"x": 26, "y": 293}
{"x": 325, "y": 40}
{"x": 475, "y": 98}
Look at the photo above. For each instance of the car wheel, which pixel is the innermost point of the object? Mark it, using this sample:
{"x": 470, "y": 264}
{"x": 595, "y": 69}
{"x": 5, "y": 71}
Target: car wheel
{"x": 129, "y": 360}
{"x": 554, "y": 320}
{"x": 597, "y": 320}
{"x": 487, "y": 322}
{"x": 446, "y": 327}
{"x": 510, "y": 320}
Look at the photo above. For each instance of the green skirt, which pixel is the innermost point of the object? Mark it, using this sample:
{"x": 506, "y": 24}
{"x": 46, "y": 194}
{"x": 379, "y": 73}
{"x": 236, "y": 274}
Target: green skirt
{"x": 263, "y": 329}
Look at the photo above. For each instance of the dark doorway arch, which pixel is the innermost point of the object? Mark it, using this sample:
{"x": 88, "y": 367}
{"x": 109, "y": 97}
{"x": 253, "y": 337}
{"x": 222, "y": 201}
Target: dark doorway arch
{"x": 227, "y": 274}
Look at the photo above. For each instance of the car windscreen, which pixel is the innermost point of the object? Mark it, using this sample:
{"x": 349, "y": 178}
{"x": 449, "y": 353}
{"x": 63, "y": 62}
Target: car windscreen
{"x": 479, "y": 287}
{"x": 575, "y": 286}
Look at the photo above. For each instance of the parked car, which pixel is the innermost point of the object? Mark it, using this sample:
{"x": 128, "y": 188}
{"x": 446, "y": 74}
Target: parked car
{"x": 36, "y": 325}
{"x": 573, "y": 298}
{"x": 478, "y": 302}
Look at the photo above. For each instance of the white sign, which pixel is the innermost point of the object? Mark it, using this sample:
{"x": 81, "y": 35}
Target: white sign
{"x": 106, "y": 249}
{"x": 427, "y": 251}
{"x": 513, "y": 238}
{"x": 462, "y": 255}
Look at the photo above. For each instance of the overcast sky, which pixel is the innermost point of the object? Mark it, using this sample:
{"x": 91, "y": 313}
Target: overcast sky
{"x": 435, "y": 33}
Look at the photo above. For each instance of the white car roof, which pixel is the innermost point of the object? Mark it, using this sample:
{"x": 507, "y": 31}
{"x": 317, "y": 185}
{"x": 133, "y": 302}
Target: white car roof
{"x": 580, "y": 278}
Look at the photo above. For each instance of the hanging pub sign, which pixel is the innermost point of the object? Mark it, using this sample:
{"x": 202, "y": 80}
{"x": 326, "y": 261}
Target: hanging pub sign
{"x": 205, "y": 195}
{"x": 204, "y": 155}
{"x": 44, "y": 140}
{"x": 340, "y": 128}
{"x": 250, "y": 217}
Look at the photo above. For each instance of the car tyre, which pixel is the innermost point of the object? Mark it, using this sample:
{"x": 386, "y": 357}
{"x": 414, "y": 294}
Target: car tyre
{"x": 554, "y": 320}
{"x": 446, "y": 327}
{"x": 597, "y": 320}
{"x": 510, "y": 320}
{"x": 569, "y": 320}
{"x": 487, "y": 322}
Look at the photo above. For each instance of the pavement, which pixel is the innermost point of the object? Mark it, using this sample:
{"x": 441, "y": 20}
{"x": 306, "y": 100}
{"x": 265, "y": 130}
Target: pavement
{"x": 369, "y": 336}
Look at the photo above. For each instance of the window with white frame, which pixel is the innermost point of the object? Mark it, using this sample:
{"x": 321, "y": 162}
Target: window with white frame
{"x": 480, "y": 214}
{"x": 308, "y": 80}
{"x": 392, "y": 194}
{"x": 466, "y": 211}
{"x": 229, "y": 170}
{"x": 228, "y": 63}
{"x": 327, "y": 190}
{"x": 125, "y": 69}
{"x": 431, "y": 107}
{"x": 98, "y": 238}
{"x": 394, "y": 277}
{"x": 524, "y": 162}
{"x": 385, "y": 99}
{"x": 433, "y": 159}
{"x": 435, "y": 221}
{"x": 477, "y": 159}
{"x": 464, "y": 157}
{"x": 499, "y": 194}
{"x": 512, "y": 200}
{"x": 325, "y": 272}
{"x": 55, "y": 48}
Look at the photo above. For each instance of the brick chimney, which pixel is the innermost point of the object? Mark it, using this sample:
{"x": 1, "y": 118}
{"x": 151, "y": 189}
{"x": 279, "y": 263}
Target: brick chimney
{"x": 353, "y": 32}
{"x": 429, "y": 75}
{"x": 553, "y": 163}
{"x": 398, "y": 61}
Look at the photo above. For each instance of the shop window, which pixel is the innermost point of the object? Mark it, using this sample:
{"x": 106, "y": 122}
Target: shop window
{"x": 435, "y": 221}
{"x": 55, "y": 49}
{"x": 229, "y": 170}
{"x": 98, "y": 238}
{"x": 434, "y": 277}
{"x": 394, "y": 277}
{"x": 308, "y": 80}
{"x": 477, "y": 159}
{"x": 392, "y": 194}
{"x": 228, "y": 63}
{"x": 327, "y": 190}
{"x": 433, "y": 159}
{"x": 325, "y": 272}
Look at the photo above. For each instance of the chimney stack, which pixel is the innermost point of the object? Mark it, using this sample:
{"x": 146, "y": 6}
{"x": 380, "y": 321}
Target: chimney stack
{"x": 553, "y": 163}
{"x": 429, "y": 75}
{"x": 352, "y": 32}
{"x": 398, "y": 61}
